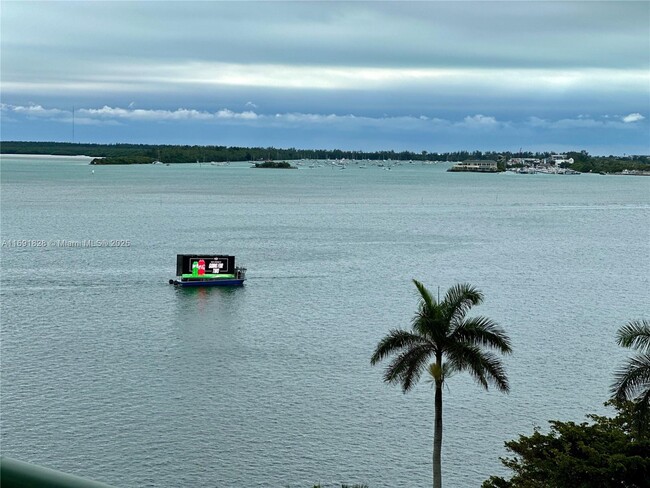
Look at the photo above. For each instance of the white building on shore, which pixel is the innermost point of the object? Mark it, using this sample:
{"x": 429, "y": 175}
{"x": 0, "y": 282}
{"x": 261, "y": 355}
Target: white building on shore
{"x": 558, "y": 159}
{"x": 488, "y": 166}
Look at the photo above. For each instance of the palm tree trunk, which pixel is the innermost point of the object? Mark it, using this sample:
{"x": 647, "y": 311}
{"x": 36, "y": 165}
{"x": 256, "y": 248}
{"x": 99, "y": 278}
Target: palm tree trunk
{"x": 437, "y": 437}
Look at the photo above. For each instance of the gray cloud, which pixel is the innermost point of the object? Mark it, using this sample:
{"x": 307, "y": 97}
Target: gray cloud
{"x": 452, "y": 67}
{"x": 318, "y": 54}
{"x": 371, "y": 34}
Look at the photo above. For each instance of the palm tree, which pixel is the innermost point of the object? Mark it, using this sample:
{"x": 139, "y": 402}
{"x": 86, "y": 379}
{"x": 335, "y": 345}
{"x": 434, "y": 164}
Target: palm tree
{"x": 441, "y": 333}
{"x": 633, "y": 379}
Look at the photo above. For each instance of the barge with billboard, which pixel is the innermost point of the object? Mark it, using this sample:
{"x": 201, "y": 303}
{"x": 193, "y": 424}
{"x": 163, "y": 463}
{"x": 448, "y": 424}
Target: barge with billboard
{"x": 207, "y": 270}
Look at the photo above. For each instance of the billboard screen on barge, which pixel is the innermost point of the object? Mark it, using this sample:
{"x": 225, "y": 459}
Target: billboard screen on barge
{"x": 199, "y": 264}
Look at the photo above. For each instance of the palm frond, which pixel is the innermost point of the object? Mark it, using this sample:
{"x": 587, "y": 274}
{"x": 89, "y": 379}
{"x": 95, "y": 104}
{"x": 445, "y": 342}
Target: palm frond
{"x": 644, "y": 401}
{"x": 437, "y": 372}
{"x": 459, "y": 299}
{"x": 429, "y": 319}
{"x": 464, "y": 357}
{"x": 442, "y": 374}
{"x": 485, "y": 367}
{"x": 633, "y": 379}
{"x": 425, "y": 295}
{"x": 482, "y": 331}
{"x": 408, "y": 366}
{"x": 495, "y": 372}
{"x": 635, "y": 334}
{"x": 395, "y": 341}
{"x": 430, "y": 323}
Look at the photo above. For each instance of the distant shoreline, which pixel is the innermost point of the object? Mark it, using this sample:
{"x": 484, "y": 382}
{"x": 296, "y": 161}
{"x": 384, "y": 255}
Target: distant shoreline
{"x": 124, "y": 154}
{"x": 287, "y": 165}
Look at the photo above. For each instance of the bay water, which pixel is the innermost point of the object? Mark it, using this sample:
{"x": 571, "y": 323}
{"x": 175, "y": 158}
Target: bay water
{"x": 109, "y": 372}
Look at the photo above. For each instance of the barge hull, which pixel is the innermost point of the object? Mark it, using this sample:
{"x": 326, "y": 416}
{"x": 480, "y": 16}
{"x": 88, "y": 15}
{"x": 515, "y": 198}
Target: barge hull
{"x": 226, "y": 282}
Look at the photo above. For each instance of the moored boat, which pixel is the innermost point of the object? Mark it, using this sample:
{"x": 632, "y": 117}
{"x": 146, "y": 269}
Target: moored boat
{"x": 207, "y": 270}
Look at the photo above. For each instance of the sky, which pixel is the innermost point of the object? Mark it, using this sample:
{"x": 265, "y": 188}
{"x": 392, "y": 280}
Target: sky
{"x": 421, "y": 76}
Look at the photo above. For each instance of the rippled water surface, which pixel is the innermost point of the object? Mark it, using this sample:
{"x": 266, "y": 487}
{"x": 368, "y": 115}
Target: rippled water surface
{"x": 111, "y": 373}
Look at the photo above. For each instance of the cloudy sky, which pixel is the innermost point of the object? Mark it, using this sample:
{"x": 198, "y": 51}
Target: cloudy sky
{"x": 435, "y": 76}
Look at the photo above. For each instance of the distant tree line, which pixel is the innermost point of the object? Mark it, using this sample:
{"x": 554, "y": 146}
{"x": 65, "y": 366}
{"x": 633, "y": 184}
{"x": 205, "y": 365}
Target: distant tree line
{"x": 192, "y": 154}
{"x": 608, "y": 164}
{"x": 148, "y": 153}
{"x": 584, "y": 163}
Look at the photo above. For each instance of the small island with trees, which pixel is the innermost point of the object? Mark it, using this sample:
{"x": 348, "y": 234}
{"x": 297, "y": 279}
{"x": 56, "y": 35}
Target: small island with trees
{"x": 274, "y": 164}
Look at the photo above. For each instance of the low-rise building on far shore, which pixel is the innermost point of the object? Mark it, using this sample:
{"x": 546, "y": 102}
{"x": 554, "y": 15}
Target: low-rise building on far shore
{"x": 558, "y": 159}
{"x": 488, "y": 166}
{"x": 523, "y": 162}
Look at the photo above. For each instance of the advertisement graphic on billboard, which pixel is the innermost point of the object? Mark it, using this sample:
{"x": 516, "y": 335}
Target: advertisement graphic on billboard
{"x": 203, "y": 265}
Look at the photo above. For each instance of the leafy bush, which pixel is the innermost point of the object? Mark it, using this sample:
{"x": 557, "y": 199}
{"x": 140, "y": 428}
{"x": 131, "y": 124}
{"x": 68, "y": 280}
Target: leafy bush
{"x": 607, "y": 453}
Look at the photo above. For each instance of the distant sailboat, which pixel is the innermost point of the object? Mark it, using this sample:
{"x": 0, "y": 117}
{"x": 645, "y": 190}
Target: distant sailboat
{"x": 158, "y": 161}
